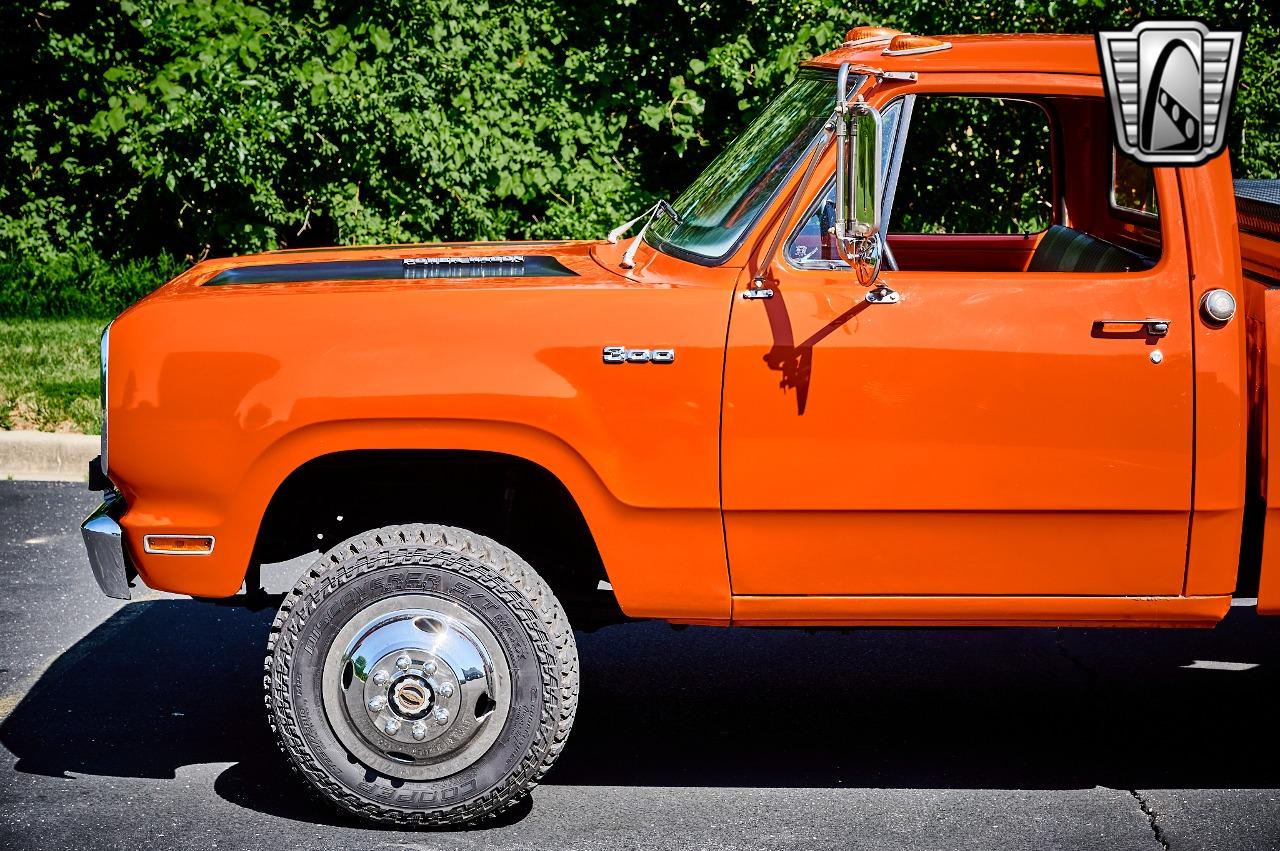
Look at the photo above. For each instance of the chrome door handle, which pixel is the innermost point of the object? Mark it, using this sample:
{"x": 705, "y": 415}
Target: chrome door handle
{"x": 1155, "y": 327}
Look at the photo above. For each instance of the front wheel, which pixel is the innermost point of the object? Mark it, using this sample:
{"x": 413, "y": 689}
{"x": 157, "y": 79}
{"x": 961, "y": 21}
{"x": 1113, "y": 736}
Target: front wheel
{"x": 421, "y": 675}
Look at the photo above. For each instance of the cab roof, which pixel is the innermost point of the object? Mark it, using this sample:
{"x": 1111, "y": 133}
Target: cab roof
{"x": 1018, "y": 52}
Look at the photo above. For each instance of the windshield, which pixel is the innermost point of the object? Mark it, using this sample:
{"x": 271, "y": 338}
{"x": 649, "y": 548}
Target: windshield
{"x": 723, "y": 204}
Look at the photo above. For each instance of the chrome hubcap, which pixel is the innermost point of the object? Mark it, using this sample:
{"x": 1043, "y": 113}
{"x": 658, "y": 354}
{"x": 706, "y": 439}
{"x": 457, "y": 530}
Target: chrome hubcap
{"x": 416, "y": 687}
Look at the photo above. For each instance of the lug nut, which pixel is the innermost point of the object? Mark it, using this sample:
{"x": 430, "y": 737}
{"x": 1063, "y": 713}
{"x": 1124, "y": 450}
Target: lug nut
{"x": 429, "y": 668}
{"x": 445, "y": 689}
{"x": 441, "y": 715}
{"x": 419, "y": 730}
{"x": 403, "y": 662}
{"x": 378, "y": 703}
{"x": 392, "y": 726}
{"x": 380, "y": 678}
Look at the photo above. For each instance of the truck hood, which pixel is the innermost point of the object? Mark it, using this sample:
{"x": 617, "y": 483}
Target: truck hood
{"x": 436, "y": 266}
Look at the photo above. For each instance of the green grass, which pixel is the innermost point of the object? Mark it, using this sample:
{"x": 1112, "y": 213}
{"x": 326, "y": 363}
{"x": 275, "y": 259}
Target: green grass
{"x": 49, "y": 374}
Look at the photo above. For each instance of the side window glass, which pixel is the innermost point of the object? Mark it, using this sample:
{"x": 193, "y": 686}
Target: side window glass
{"x": 975, "y": 165}
{"x": 1133, "y": 188}
{"x": 813, "y": 241}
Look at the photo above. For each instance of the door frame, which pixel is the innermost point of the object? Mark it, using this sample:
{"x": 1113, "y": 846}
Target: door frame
{"x": 1200, "y": 603}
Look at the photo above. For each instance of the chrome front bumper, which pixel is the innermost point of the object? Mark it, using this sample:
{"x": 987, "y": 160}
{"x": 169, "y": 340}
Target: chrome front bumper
{"x": 104, "y": 540}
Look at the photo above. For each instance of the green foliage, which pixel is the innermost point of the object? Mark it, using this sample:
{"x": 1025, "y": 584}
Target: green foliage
{"x": 228, "y": 126}
{"x": 78, "y": 283}
{"x": 956, "y": 149}
{"x": 141, "y": 129}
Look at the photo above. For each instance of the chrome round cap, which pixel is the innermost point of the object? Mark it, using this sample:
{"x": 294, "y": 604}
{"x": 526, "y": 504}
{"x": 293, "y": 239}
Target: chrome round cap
{"x": 1218, "y": 306}
{"x": 417, "y": 687}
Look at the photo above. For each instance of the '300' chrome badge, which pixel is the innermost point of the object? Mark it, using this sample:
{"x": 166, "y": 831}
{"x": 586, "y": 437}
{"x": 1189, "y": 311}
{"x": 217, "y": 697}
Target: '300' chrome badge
{"x": 621, "y": 354}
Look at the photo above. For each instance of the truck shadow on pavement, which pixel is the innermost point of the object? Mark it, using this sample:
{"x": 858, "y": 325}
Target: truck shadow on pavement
{"x": 171, "y": 683}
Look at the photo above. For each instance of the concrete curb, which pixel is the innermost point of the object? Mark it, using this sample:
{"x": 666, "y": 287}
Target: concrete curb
{"x": 44, "y": 457}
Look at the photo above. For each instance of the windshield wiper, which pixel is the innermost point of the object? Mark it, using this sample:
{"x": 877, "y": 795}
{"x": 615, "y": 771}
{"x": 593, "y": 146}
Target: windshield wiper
{"x": 661, "y": 208}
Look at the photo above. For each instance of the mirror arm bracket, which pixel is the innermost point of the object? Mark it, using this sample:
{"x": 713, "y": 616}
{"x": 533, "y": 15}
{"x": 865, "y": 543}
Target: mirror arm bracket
{"x": 757, "y": 288}
{"x": 881, "y": 74}
{"x": 881, "y": 294}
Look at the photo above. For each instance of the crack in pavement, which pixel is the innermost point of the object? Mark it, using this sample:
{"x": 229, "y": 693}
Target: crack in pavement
{"x": 1093, "y": 680}
{"x": 1152, "y": 817}
{"x": 1076, "y": 661}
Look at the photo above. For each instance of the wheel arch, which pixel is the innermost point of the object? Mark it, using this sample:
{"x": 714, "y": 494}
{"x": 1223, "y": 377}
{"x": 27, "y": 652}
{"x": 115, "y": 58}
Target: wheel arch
{"x": 474, "y": 476}
{"x": 666, "y": 562}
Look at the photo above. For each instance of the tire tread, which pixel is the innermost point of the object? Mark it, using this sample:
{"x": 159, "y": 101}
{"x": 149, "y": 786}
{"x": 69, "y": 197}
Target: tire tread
{"x": 482, "y": 560}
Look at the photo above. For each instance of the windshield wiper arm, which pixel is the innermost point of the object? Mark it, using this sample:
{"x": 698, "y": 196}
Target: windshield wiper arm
{"x": 661, "y": 208}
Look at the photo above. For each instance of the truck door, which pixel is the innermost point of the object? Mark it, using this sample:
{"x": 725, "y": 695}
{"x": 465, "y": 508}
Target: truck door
{"x": 1019, "y": 422}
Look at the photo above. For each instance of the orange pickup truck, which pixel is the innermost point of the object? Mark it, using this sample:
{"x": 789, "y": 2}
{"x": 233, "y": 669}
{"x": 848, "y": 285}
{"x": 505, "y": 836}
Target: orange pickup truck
{"x": 797, "y": 397}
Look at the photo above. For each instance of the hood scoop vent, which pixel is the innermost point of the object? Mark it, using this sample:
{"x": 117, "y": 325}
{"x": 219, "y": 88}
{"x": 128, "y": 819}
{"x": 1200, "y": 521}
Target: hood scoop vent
{"x": 442, "y": 266}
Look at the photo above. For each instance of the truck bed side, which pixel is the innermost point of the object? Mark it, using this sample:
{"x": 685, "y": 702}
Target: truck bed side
{"x": 1258, "y": 211}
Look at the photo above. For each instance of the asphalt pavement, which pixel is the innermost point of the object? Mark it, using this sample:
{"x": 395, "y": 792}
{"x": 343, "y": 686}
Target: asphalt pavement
{"x": 140, "y": 725}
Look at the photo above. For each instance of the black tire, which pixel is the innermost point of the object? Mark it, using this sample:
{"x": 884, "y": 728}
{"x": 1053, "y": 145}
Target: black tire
{"x": 494, "y": 586}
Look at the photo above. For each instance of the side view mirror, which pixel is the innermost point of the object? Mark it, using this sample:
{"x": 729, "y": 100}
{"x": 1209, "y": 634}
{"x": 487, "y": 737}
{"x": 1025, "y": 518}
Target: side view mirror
{"x": 859, "y": 181}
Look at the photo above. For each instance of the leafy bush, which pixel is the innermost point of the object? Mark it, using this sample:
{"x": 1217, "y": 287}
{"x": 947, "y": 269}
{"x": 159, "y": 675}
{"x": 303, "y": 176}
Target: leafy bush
{"x": 955, "y": 144}
{"x": 752, "y": 55}
{"x": 78, "y": 283}
{"x": 189, "y": 126}
{"x": 144, "y": 129}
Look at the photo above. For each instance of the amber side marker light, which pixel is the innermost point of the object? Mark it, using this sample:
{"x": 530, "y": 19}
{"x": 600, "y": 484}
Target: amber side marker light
{"x": 178, "y": 545}
{"x": 906, "y": 45}
{"x": 867, "y": 36}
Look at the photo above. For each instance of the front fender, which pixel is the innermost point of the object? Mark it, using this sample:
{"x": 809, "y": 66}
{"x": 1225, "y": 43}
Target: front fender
{"x": 216, "y": 397}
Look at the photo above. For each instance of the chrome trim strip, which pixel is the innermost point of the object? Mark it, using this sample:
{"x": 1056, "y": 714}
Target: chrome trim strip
{"x": 104, "y": 346}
